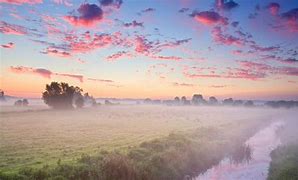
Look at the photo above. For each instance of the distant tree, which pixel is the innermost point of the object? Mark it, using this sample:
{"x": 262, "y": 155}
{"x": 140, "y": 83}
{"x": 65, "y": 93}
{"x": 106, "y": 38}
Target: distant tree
{"x": 25, "y": 102}
{"x": 18, "y": 103}
{"x": 147, "y": 101}
{"x": 249, "y": 103}
{"x": 79, "y": 102}
{"x": 228, "y": 101}
{"x": 2, "y": 97}
{"x": 213, "y": 100}
{"x": 198, "y": 99}
{"x": 184, "y": 100}
{"x": 60, "y": 95}
{"x": 176, "y": 100}
{"x": 238, "y": 103}
{"x": 107, "y": 102}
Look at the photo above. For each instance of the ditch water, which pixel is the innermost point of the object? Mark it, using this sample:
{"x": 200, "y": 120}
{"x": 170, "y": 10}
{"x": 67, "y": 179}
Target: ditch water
{"x": 260, "y": 145}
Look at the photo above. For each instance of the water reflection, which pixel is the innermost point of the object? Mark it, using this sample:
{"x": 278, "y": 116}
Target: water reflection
{"x": 250, "y": 161}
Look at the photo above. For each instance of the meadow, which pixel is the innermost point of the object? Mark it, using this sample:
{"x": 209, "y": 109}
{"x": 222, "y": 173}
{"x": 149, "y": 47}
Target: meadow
{"x": 36, "y": 138}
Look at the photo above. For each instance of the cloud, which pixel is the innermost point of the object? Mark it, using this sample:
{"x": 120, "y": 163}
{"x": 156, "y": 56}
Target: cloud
{"x": 63, "y": 2}
{"x": 90, "y": 15}
{"x": 57, "y": 53}
{"x": 273, "y": 8}
{"x": 25, "y": 70}
{"x": 148, "y": 10}
{"x": 112, "y": 3}
{"x": 12, "y": 29}
{"x": 182, "y": 10}
{"x": 118, "y": 55}
{"x": 221, "y": 4}
{"x": 183, "y": 84}
{"x": 20, "y": 2}
{"x": 171, "y": 58}
{"x": 218, "y": 86}
{"x": 291, "y": 18}
{"x": 101, "y": 80}
{"x": 246, "y": 70}
{"x": 290, "y": 60}
{"x": 209, "y": 18}
{"x": 42, "y": 72}
{"x": 134, "y": 24}
{"x": 225, "y": 39}
{"x": 8, "y": 45}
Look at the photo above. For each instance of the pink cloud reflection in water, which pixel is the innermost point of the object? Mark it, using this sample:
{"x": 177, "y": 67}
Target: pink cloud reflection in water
{"x": 262, "y": 143}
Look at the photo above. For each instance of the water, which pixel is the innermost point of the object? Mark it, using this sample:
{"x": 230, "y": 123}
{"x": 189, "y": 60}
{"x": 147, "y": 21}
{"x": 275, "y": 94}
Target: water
{"x": 261, "y": 144}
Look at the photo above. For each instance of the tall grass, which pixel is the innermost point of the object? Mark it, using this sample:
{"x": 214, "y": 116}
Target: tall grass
{"x": 177, "y": 156}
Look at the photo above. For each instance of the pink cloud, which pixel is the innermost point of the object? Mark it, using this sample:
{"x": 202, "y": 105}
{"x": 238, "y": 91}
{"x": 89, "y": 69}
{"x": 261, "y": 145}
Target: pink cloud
{"x": 118, "y": 55}
{"x": 90, "y": 15}
{"x": 209, "y": 18}
{"x": 221, "y": 38}
{"x": 12, "y": 29}
{"x": 183, "y": 84}
{"x": 57, "y": 53}
{"x": 8, "y": 45}
{"x": 25, "y": 70}
{"x": 19, "y": 2}
{"x": 291, "y": 18}
{"x": 274, "y": 8}
{"x": 171, "y": 58}
{"x": 43, "y": 72}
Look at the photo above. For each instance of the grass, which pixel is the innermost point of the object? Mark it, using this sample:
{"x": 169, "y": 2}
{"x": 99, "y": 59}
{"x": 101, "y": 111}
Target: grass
{"x": 284, "y": 164}
{"x": 38, "y": 138}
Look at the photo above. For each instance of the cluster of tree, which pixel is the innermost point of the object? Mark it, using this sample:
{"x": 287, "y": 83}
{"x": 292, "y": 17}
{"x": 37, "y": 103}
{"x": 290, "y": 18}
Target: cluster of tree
{"x": 21, "y": 102}
{"x": 282, "y": 104}
{"x": 63, "y": 96}
{"x": 198, "y": 99}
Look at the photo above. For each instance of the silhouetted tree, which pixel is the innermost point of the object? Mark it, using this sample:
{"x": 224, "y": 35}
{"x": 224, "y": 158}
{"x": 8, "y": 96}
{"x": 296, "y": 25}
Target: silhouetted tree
{"x": 228, "y": 101}
{"x": 249, "y": 103}
{"x": 198, "y": 99}
{"x": 18, "y": 103}
{"x": 238, "y": 103}
{"x": 25, "y": 102}
{"x": 184, "y": 101}
{"x": 176, "y": 100}
{"x": 213, "y": 100}
{"x": 79, "y": 102}
{"x": 147, "y": 101}
{"x": 60, "y": 95}
{"x": 2, "y": 97}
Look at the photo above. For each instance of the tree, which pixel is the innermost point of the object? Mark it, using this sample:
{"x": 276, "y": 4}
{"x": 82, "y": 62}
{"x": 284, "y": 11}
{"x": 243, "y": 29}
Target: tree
{"x": 176, "y": 100}
{"x": 198, "y": 99}
{"x": 18, "y": 103}
{"x": 213, "y": 100}
{"x": 2, "y": 97}
{"x": 25, "y": 102}
{"x": 60, "y": 95}
{"x": 79, "y": 102}
{"x": 228, "y": 101}
{"x": 249, "y": 103}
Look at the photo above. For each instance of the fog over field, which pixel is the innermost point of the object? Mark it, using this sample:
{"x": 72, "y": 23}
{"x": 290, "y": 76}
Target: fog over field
{"x": 38, "y": 137}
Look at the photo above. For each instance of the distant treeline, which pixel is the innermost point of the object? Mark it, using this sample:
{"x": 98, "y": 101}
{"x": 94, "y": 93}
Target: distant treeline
{"x": 198, "y": 99}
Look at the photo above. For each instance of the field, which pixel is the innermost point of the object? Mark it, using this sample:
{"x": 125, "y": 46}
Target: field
{"x": 42, "y": 137}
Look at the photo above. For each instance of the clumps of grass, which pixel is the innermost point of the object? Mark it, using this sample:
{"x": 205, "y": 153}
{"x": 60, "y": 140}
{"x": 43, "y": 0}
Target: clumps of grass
{"x": 177, "y": 156}
{"x": 284, "y": 164}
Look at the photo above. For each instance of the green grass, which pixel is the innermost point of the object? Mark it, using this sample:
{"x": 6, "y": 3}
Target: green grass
{"x": 168, "y": 158}
{"x": 38, "y": 138}
{"x": 284, "y": 164}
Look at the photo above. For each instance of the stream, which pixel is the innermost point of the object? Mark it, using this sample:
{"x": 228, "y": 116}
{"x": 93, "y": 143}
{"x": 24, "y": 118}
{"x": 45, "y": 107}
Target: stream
{"x": 261, "y": 144}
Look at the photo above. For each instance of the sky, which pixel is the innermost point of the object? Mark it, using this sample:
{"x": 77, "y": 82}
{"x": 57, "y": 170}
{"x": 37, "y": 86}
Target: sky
{"x": 244, "y": 49}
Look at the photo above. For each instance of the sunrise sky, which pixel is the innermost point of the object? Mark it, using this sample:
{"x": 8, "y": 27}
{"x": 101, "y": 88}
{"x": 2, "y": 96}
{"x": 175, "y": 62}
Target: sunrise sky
{"x": 151, "y": 48}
